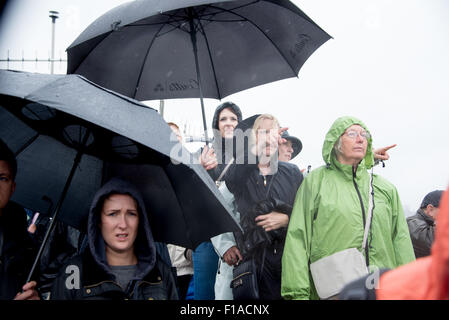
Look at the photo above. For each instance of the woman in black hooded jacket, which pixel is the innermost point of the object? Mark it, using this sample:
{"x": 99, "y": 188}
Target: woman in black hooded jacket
{"x": 205, "y": 260}
{"x": 121, "y": 261}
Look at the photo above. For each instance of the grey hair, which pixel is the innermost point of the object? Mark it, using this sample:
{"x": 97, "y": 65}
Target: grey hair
{"x": 337, "y": 146}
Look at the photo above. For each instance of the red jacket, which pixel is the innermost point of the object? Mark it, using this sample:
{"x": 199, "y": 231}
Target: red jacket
{"x": 426, "y": 278}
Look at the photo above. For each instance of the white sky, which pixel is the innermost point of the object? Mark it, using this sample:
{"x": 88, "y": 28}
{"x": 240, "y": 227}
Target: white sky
{"x": 387, "y": 65}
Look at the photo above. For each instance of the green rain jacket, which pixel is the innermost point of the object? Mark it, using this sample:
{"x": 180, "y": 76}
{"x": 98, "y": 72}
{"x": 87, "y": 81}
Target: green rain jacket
{"x": 328, "y": 217}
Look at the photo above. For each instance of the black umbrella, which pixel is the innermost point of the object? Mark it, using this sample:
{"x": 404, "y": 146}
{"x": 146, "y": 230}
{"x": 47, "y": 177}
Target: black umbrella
{"x": 70, "y": 136}
{"x": 152, "y": 49}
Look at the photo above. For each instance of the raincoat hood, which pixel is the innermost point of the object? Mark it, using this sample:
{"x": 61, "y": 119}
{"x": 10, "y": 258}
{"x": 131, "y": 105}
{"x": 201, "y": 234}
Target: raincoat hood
{"x": 144, "y": 246}
{"x": 428, "y": 277}
{"x": 337, "y": 129}
{"x": 220, "y": 108}
{"x": 222, "y": 146}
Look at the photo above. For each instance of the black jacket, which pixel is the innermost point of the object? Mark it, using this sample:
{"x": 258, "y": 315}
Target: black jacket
{"x": 153, "y": 279}
{"x": 422, "y": 233}
{"x": 64, "y": 243}
{"x": 17, "y": 250}
{"x": 256, "y": 195}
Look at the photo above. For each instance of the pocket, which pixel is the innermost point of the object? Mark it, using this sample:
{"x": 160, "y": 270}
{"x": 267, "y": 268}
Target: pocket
{"x": 152, "y": 291}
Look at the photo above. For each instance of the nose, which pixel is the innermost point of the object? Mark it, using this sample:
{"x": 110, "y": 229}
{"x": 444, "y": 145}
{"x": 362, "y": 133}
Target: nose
{"x": 359, "y": 138}
{"x": 228, "y": 122}
{"x": 122, "y": 223}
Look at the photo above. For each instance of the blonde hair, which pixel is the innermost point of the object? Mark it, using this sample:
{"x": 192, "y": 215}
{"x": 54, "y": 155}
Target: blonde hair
{"x": 265, "y": 116}
{"x": 258, "y": 122}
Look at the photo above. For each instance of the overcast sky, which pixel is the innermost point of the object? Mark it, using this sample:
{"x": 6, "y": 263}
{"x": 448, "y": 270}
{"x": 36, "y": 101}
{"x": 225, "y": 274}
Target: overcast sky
{"x": 386, "y": 64}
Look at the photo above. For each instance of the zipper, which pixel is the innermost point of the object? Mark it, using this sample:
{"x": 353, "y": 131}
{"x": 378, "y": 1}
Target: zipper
{"x": 363, "y": 212}
{"x": 264, "y": 181}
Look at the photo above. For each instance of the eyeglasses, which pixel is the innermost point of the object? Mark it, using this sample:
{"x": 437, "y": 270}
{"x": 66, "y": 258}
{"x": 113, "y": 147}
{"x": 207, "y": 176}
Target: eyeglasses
{"x": 353, "y": 134}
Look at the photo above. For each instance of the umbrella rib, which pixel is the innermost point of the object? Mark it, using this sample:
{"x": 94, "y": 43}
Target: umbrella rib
{"x": 118, "y": 95}
{"x": 70, "y": 140}
{"x": 137, "y": 24}
{"x": 210, "y": 57}
{"x": 266, "y": 36}
{"x": 145, "y": 59}
{"x": 33, "y": 112}
{"x": 27, "y": 144}
{"x": 221, "y": 10}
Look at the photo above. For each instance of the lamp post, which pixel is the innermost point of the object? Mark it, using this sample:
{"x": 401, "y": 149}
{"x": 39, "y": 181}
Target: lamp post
{"x": 53, "y": 15}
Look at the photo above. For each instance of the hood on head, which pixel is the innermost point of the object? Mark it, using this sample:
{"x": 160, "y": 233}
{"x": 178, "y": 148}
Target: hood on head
{"x": 337, "y": 129}
{"x": 220, "y": 108}
{"x": 144, "y": 246}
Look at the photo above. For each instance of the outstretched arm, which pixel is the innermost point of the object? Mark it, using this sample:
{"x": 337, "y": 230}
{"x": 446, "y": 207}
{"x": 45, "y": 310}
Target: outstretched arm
{"x": 382, "y": 154}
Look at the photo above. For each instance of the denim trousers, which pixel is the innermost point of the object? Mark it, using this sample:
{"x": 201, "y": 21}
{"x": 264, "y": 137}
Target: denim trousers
{"x": 205, "y": 263}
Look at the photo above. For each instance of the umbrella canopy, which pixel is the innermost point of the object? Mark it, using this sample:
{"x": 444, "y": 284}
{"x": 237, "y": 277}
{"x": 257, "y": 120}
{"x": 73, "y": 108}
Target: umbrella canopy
{"x": 165, "y": 49}
{"x": 62, "y": 126}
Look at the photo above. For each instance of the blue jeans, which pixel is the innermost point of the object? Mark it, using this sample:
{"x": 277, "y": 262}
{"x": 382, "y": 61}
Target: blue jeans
{"x": 205, "y": 263}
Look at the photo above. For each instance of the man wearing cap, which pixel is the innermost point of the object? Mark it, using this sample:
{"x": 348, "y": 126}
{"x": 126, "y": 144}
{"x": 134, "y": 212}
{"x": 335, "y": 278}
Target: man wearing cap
{"x": 422, "y": 224}
{"x": 289, "y": 149}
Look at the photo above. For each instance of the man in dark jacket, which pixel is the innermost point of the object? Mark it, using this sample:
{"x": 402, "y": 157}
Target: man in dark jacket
{"x": 121, "y": 261}
{"x": 16, "y": 247}
{"x": 422, "y": 224}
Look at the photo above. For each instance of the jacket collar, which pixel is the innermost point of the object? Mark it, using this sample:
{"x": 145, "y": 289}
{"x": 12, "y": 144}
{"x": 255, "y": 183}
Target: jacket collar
{"x": 346, "y": 170}
{"x": 425, "y": 217}
{"x": 94, "y": 274}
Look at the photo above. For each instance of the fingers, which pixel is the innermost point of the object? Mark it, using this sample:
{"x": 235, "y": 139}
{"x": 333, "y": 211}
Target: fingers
{"x": 210, "y": 167}
{"x": 29, "y": 292}
{"x": 29, "y": 285}
{"x": 389, "y": 147}
{"x": 210, "y": 164}
{"x": 264, "y": 221}
{"x": 208, "y": 158}
{"x": 239, "y": 255}
{"x": 205, "y": 151}
{"x": 232, "y": 256}
{"x": 272, "y": 221}
{"x": 282, "y": 130}
{"x": 382, "y": 154}
{"x": 262, "y": 217}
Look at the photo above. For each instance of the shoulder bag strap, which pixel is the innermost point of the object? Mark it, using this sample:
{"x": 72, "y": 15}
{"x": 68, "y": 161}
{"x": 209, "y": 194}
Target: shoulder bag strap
{"x": 223, "y": 172}
{"x": 370, "y": 213}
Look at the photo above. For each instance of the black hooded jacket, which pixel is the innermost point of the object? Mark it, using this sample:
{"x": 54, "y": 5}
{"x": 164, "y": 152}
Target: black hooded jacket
{"x": 219, "y": 144}
{"x": 153, "y": 279}
{"x": 257, "y": 195}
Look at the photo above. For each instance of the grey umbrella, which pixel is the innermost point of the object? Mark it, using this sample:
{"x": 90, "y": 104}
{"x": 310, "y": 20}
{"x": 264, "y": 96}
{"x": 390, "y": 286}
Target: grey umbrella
{"x": 154, "y": 49}
{"x": 70, "y": 136}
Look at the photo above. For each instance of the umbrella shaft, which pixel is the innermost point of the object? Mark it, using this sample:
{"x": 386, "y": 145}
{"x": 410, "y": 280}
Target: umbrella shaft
{"x": 58, "y": 206}
{"x": 198, "y": 74}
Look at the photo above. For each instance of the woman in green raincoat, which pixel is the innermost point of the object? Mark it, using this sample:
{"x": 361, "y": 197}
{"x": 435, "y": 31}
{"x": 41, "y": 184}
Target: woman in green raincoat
{"x": 331, "y": 208}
